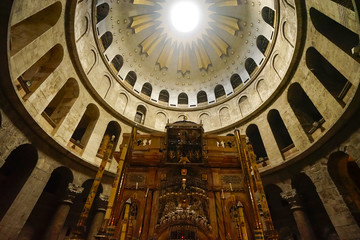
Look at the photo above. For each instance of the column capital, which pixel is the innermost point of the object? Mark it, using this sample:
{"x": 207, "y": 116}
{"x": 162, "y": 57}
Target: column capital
{"x": 102, "y": 202}
{"x": 71, "y": 192}
{"x": 292, "y": 197}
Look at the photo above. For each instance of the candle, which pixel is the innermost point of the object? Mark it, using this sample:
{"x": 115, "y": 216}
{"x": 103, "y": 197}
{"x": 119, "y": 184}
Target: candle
{"x": 222, "y": 194}
{"x": 231, "y": 189}
{"x": 147, "y": 192}
{"x": 137, "y": 185}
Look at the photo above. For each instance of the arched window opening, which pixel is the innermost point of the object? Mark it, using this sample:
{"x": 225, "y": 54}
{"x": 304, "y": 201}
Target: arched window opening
{"x": 112, "y": 132}
{"x": 235, "y": 81}
{"x": 313, "y": 207}
{"x": 140, "y": 114}
{"x": 84, "y": 129}
{"x": 250, "y": 66}
{"x": 345, "y": 173}
{"x": 345, "y": 3}
{"x": 281, "y": 213}
{"x": 262, "y": 43}
{"x": 305, "y": 111}
{"x": 131, "y": 78}
{"x": 280, "y": 132}
{"x": 47, "y": 204}
{"x": 164, "y": 96}
{"x": 117, "y": 62}
{"x": 61, "y": 104}
{"x": 14, "y": 173}
{"x": 146, "y": 89}
{"x": 268, "y": 15}
{"x": 328, "y": 75}
{"x": 102, "y": 11}
{"x": 26, "y": 31}
{"x": 106, "y": 40}
{"x": 78, "y": 205}
{"x": 202, "y": 97}
{"x": 32, "y": 78}
{"x": 255, "y": 139}
{"x": 183, "y": 99}
{"x": 339, "y": 35}
{"x": 219, "y": 91}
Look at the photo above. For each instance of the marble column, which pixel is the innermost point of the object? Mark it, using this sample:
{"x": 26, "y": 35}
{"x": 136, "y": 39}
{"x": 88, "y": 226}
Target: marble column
{"x": 62, "y": 212}
{"x": 300, "y": 216}
{"x": 100, "y": 204}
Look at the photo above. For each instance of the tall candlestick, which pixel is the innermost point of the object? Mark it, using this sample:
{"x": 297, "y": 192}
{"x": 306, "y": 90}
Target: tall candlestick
{"x": 231, "y": 189}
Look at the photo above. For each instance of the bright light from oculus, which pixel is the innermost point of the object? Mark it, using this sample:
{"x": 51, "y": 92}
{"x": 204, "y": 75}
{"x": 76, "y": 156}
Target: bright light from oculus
{"x": 185, "y": 16}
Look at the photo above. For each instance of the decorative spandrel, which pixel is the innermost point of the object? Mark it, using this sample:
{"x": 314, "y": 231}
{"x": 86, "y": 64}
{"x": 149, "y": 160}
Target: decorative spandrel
{"x": 184, "y": 145}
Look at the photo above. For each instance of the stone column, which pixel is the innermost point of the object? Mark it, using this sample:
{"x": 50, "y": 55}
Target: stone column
{"x": 301, "y": 218}
{"x": 62, "y": 212}
{"x": 100, "y": 204}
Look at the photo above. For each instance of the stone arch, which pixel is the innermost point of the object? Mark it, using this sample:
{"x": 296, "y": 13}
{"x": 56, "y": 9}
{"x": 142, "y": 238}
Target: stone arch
{"x": 92, "y": 62}
{"x": 164, "y": 96}
{"x": 313, "y": 206}
{"x": 29, "y": 81}
{"x": 113, "y": 129}
{"x": 236, "y": 81}
{"x": 117, "y": 62}
{"x": 106, "y": 40}
{"x": 277, "y": 64}
{"x": 102, "y": 11}
{"x": 252, "y": 131}
{"x": 47, "y": 204}
{"x": 205, "y": 119}
{"x": 85, "y": 127}
{"x": 244, "y": 105}
{"x": 250, "y": 66}
{"x": 160, "y": 120}
{"x": 262, "y": 89}
{"x": 280, "y": 132}
{"x": 224, "y": 114}
{"x": 289, "y": 33}
{"x": 268, "y": 15}
{"x": 339, "y": 35}
{"x": 131, "y": 78}
{"x": 83, "y": 29}
{"x": 140, "y": 114}
{"x": 219, "y": 91}
{"x": 262, "y": 43}
{"x": 29, "y": 29}
{"x": 13, "y": 177}
{"x": 183, "y": 99}
{"x": 201, "y": 97}
{"x": 346, "y": 175}
{"x": 146, "y": 89}
{"x": 60, "y": 105}
{"x": 121, "y": 102}
{"x": 305, "y": 111}
{"x": 104, "y": 86}
{"x": 334, "y": 82}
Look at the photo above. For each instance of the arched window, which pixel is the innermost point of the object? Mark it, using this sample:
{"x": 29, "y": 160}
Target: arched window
{"x": 305, "y": 111}
{"x": 235, "y": 81}
{"x": 219, "y": 91}
{"x": 268, "y": 15}
{"x": 131, "y": 78}
{"x": 280, "y": 131}
{"x": 202, "y": 97}
{"x": 164, "y": 96}
{"x": 146, "y": 89}
{"x": 183, "y": 99}
{"x": 250, "y": 66}
{"x": 44, "y": 210}
{"x": 113, "y": 130}
{"x": 102, "y": 11}
{"x": 32, "y": 78}
{"x": 328, "y": 75}
{"x": 262, "y": 43}
{"x": 339, "y": 35}
{"x": 140, "y": 114}
{"x": 33, "y": 27}
{"x": 14, "y": 173}
{"x": 117, "y": 62}
{"x": 313, "y": 207}
{"x": 84, "y": 129}
{"x": 106, "y": 39}
{"x": 255, "y": 139}
{"x": 59, "y": 107}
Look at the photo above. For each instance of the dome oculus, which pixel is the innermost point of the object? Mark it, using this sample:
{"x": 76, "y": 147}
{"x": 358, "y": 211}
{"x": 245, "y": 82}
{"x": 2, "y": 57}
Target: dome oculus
{"x": 185, "y": 16}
